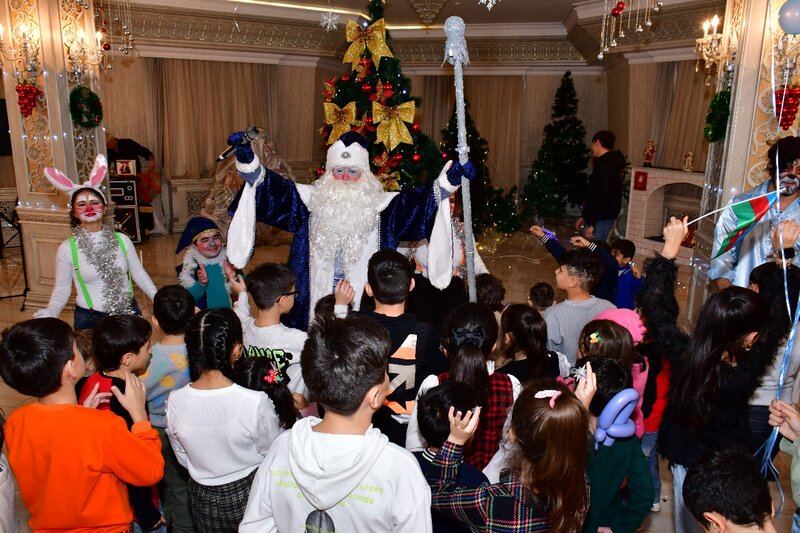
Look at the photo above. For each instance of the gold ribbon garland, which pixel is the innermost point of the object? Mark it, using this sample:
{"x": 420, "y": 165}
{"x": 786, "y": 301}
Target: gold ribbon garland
{"x": 340, "y": 118}
{"x": 391, "y": 182}
{"x": 372, "y": 37}
{"x": 391, "y": 130}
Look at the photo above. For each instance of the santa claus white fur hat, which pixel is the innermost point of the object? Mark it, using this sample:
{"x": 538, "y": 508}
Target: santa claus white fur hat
{"x": 350, "y": 150}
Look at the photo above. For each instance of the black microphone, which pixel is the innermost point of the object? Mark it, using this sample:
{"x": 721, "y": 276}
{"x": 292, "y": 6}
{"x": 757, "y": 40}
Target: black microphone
{"x": 249, "y": 136}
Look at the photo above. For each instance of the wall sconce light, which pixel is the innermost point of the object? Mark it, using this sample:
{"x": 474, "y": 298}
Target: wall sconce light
{"x": 708, "y": 48}
{"x": 25, "y": 58}
{"x": 83, "y": 57}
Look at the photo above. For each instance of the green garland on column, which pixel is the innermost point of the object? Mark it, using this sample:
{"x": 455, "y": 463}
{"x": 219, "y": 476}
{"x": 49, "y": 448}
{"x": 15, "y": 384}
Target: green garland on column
{"x": 85, "y": 107}
{"x": 719, "y": 109}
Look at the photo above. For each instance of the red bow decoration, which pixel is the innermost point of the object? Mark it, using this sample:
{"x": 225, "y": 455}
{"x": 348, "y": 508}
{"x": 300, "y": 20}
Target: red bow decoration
{"x": 382, "y": 92}
{"x": 363, "y": 68}
{"x": 273, "y": 376}
{"x": 330, "y": 88}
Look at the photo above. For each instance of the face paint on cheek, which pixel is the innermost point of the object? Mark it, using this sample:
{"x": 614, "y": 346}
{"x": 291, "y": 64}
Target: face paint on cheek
{"x": 209, "y": 246}
{"x": 789, "y": 185}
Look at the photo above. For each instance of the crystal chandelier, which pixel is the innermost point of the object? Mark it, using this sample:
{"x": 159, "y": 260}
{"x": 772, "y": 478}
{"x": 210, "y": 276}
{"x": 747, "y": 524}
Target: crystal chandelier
{"x": 708, "y": 48}
{"x": 427, "y": 9}
{"x": 617, "y": 20}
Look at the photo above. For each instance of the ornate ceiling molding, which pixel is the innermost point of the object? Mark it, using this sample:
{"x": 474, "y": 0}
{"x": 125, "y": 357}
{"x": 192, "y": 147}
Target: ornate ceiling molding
{"x": 490, "y": 51}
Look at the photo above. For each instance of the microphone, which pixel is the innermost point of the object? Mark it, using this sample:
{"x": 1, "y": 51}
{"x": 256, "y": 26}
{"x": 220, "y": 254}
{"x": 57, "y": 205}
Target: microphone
{"x": 249, "y": 136}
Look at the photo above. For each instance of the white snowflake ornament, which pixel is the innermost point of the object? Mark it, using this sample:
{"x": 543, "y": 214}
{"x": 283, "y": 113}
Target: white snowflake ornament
{"x": 329, "y": 21}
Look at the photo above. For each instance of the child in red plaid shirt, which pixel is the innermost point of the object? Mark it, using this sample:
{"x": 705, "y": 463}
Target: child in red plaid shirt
{"x": 544, "y": 488}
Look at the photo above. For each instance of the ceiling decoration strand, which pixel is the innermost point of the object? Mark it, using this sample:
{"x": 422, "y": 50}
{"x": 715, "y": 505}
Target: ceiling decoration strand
{"x": 617, "y": 20}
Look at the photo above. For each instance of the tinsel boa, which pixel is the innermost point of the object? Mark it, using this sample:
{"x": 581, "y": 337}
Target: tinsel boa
{"x": 102, "y": 255}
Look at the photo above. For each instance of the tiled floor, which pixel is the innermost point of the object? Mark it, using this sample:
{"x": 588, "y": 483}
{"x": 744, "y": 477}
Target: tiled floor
{"x": 517, "y": 260}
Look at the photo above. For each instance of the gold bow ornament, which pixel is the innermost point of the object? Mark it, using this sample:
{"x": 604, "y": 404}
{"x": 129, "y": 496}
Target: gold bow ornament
{"x": 340, "y": 118}
{"x": 391, "y": 130}
{"x": 391, "y": 182}
{"x": 372, "y": 37}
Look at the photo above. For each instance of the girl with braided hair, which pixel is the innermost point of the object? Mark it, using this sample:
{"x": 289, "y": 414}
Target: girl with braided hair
{"x": 220, "y": 431}
{"x": 471, "y": 333}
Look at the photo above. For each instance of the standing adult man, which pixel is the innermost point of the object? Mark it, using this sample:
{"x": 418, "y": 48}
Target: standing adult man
{"x": 734, "y": 266}
{"x": 339, "y": 221}
{"x": 604, "y": 191}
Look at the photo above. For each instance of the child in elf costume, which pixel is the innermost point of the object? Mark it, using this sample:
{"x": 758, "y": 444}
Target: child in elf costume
{"x": 205, "y": 270}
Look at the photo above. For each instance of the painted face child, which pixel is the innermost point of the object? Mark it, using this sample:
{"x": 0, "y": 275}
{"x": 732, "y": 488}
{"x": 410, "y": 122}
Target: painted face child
{"x": 88, "y": 207}
{"x": 209, "y": 243}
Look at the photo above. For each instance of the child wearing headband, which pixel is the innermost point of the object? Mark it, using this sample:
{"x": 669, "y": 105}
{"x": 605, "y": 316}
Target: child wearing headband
{"x": 544, "y": 488}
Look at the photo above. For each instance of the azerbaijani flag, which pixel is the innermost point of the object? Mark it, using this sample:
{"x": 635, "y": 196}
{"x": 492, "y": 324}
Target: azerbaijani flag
{"x": 747, "y": 214}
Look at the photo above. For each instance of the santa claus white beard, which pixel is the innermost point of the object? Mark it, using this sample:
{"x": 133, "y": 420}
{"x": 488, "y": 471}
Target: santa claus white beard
{"x": 343, "y": 214}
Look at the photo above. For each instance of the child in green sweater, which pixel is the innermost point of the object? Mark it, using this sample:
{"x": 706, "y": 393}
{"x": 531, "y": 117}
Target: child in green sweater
{"x": 622, "y": 509}
{"x": 205, "y": 270}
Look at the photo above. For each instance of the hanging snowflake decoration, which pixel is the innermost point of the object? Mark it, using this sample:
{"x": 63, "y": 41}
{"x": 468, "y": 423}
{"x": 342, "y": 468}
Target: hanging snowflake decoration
{"x": 488, "y": 3}
{"x": 329, "y": 20}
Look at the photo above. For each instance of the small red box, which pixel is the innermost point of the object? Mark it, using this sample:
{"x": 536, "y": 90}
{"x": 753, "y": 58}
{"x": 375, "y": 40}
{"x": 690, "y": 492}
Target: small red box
{"x": 640, "y": 180}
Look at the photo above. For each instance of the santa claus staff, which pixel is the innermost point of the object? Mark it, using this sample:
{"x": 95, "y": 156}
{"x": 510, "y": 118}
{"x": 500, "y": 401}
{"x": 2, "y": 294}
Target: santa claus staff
{"x": 456, "y": 54}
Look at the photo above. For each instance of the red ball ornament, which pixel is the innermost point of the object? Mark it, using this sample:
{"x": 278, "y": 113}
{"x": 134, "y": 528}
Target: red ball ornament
{"x": 320, "y": 171}
{"x": 368, "y": 120}
{"x": 106, "y": 46}
{"x": 415, "y": 127}
{"x": 104, "y": 30}
{"x": 397, "y": 157}
{"x": 366, "y": 87}
{"x": 444, "y": 155}
{"x": 416, "y": 158}
{"x": 620, "y": 5}
{"x": 345, "y": 77}
{"x": 615, "y": 12}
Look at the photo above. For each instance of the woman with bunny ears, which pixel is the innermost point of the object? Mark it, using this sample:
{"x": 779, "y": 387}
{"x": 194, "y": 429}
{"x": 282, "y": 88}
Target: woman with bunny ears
{"x": 100, "y": 262}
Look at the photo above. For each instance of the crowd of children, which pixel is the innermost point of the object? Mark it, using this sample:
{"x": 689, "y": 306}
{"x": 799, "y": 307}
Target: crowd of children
{"x": 492, "y": 417}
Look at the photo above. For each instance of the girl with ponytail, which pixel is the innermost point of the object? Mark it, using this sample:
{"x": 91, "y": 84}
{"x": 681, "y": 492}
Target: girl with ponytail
{"x": 471, "y": 333}
{"x": 220, "y": 431}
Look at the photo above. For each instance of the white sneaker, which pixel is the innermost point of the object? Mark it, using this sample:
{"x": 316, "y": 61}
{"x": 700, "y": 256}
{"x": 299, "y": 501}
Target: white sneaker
{"x": 656, "y": 507}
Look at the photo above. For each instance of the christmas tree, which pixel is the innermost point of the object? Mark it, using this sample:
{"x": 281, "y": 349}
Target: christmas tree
{"x": 491, "y": 207}
{"x": 374, "y": 98}
{"x": 557, "y": 176}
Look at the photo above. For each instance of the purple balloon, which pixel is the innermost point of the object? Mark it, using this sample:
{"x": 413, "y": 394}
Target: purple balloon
{"x": 789, "y": 17}
{"x": 615, "y": 420}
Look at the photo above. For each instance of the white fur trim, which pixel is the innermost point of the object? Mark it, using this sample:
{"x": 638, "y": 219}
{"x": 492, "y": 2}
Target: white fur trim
{"x": 354, "y": 156}
{"x": 247, "y": 168}
{"x": 242, "y": 231}
{"x": 440, "y": 247}
{"x": 442, "y": 180}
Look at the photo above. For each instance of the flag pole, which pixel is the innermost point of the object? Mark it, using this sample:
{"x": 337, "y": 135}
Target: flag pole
{"x": 701, "y": 217}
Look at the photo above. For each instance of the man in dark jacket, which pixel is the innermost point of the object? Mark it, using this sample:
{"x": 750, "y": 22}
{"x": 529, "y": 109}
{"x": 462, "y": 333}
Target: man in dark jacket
{"x": 604, "y": 191}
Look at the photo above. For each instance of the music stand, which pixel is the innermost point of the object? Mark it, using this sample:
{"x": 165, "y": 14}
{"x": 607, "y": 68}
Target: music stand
{"x": 14, "y": 223}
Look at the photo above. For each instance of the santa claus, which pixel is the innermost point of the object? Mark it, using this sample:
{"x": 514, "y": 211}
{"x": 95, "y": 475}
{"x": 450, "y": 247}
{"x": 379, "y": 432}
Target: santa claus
{"x": 339, "y": 221}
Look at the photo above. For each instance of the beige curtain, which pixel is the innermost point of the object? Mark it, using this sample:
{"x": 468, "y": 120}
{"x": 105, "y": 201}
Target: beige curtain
{"x": 438, "y": 95}
{"x": 495, "y": 102}
{"x": 684, "y": 125}
{"x": 203, "y": 102}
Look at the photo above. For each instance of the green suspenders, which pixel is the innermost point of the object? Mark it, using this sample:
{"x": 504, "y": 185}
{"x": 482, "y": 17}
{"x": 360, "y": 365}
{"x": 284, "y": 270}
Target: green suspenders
{"x": 74, "y": 248}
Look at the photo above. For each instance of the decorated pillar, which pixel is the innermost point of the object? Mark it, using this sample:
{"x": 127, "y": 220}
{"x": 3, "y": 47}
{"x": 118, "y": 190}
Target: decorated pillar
{"x": 736, "y": 163}
{"x": 49, "y": 47}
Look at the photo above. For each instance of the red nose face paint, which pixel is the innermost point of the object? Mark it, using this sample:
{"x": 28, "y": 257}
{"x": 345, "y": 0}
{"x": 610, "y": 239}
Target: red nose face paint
{"x": 88, "y": 208}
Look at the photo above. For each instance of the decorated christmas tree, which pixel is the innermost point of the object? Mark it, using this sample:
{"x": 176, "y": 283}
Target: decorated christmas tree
{"x": 374, "y": 98}
{"x": 558, "y": 174}
{"x": 491, "y": 207}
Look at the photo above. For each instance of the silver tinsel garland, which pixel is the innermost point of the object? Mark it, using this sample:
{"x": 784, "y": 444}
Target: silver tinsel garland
{"x": 102, "y": 255}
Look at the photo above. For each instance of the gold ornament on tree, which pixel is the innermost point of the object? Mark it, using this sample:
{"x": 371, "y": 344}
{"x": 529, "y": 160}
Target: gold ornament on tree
{"x": 391, "y": 130}
{"x": 372, "y": 37}
{"x": 340, "y": 118}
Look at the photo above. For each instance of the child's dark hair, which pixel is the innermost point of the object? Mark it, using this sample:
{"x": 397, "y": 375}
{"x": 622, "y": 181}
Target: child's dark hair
{"x": 33, "y": 354}
{"x": 116, "y": 335}
{"x": 210, "y": 339}
{"x": 325, "y": 308}
{"x": 605, "y": 338}
{"x": 83, "y": 338}
{"x": 389, "y": 275}
{"x": 759, "y": 274}
{"x": 173, "y": 307}
{"x": 269, "y": 281}
{"x": 625, "y": 247}
{"x": 342, "y": 360}
{"x": 606, "y": 138}
{"x": 490, "y": 291}
{"x": 728, "y": 483}
{"x": 545, "y": 456}
{"x": 612, "y": 378}
{"x": 726, "y": 318}
{"x": 584, "y": 264}
{"x": 433, "y": 408}
{"x": 528, "y": 334}
{"x": 257, "y": 373}
{"x": 471, "y": 333}
{"x": 542, "y": 295}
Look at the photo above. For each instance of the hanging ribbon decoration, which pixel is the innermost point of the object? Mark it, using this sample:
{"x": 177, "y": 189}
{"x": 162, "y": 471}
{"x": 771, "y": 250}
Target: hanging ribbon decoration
{"x": 340, "y": 118}
{"x": 455, "y": 53}
{"x": 391, "y": 130}
{"x": 372, "y": 37}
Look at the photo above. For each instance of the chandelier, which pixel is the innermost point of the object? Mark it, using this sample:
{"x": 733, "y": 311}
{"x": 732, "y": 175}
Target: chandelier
{"x": 427, "y": 9}
{"x": 708, "y": 48}
{"x": 619, "y": 21}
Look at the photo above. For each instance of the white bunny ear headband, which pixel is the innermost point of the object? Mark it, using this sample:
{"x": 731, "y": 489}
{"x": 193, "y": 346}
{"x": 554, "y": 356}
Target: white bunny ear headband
{"x": 63, "y": 183}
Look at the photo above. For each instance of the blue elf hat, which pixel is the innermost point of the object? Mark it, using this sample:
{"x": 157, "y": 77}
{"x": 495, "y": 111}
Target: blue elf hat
{"x": 195, "y": 227}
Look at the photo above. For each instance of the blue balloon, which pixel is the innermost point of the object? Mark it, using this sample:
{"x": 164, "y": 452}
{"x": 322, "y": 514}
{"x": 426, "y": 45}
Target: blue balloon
{"x": 615, "y": 420}
{"x": 789, "y": 17}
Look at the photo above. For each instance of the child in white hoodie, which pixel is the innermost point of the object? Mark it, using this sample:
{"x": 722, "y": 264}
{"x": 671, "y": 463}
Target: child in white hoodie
{"x": 340, "y": 473}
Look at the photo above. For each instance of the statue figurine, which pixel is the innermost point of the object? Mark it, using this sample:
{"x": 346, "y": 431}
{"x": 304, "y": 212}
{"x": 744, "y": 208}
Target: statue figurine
{"x": 688, "y": 162}
{"x": 649, "y": 153}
